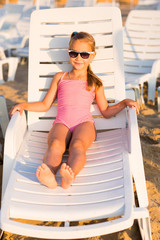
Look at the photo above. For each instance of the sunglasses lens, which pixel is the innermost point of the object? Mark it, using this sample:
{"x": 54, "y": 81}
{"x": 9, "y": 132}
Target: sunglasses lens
{"x": 73, "y": 54}
{"x": 84, "y": 55}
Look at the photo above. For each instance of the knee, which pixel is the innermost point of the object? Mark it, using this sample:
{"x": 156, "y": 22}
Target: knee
{"x": 77, "y": 145}
{"x": 57, "y": 145}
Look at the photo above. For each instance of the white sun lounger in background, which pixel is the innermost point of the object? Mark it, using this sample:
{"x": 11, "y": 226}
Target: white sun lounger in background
{"x": 90, "y": 3}
{"x": 112, "y": 3}
{"x": 80, "y": 3}
{"x": 142, "y": 50}
{"x": 9, "y": 19}
{"x": 12, "y": 63}
{"x": 4, "y": 118}
{"x": 104, "y": 188}
{"x": 18, "y": 42}
{"x": 147, "y": 5}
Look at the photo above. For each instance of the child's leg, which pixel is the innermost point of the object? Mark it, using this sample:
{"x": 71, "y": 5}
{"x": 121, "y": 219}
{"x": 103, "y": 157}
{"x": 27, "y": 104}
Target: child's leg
{"x": 58, "y": 138}
{"x": 83, "y": 135}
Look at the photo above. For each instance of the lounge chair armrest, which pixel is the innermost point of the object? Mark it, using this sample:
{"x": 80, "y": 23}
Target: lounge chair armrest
{"x": 24, "y": 41}
{"x": 13, "y": 139}
{"x": 155, "y": 73}
{"x": 136, "y": 158}
{"x": 156, "y": 69}
{"x": 144, "y": 78}
{"x": 132, "y": 127}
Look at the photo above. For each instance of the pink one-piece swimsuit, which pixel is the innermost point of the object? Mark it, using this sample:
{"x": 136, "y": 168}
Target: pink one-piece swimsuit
{"x": 74, "y": 102}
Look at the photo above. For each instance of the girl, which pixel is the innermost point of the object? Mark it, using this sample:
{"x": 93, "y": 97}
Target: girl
{"x": 74, "y": 125}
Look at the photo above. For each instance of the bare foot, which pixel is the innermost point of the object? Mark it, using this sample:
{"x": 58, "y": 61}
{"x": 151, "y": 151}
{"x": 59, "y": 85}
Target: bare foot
{"x": 67, "y": 175}
{"x": 45, "y": 176}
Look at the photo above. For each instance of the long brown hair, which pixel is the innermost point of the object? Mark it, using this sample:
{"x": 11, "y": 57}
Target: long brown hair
{"x": 92, "y": 79}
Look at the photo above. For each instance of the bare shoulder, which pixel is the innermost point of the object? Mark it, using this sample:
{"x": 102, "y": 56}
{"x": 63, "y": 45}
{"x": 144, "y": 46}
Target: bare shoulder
{"x": 57, "y": 77}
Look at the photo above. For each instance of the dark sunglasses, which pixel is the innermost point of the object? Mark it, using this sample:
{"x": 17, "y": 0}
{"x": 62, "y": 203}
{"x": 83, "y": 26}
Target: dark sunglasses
{"x": 74, "y": 54}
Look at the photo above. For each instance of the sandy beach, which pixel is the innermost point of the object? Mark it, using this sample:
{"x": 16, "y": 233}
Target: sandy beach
{"x": 149, "y": 129}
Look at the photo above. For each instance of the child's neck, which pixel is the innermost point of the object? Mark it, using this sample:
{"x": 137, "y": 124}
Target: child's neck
{"x": 77, "y": 75}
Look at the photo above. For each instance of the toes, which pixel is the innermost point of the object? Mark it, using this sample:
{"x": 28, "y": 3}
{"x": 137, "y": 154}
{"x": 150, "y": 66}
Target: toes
{"x": 43, "y": 166}
{"x": 38, "y": 171}
{"x": 63, "y": 166}
{"x": 70, "y": 170}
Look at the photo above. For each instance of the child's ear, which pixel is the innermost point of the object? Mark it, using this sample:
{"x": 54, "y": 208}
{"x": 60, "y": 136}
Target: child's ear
{"x": 93, "y": 55}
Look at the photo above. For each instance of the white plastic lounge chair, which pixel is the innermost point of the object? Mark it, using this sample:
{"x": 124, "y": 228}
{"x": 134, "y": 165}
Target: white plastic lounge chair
{"x": 146, "y": 2}
{"x": 46, "y": 3}
{"x": 90, "y": 3}
{"x": 142, "y": 49}
{"x": 2, "y": 14}
{"x": 112, "y": 3}
{"x": 80, "y": 3}
{"x": 20, "y": 39}
{"x": 158, "y": 6}
{"x": 22, "y": 52}
{"x": 104, "y": 188}
{"x": 4, "y": 118}
{"x": 12, "y": 14}
{"x": 16, "y": 46}
{"x": 147, "y": 5}
{"x": 27, "y": 3}
{"x": 12, "y": 66}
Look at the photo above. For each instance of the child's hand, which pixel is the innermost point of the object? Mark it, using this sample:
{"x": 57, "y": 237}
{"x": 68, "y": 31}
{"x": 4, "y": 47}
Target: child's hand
{"x": 18, "y": 107}
{"x": 132, "y": 104}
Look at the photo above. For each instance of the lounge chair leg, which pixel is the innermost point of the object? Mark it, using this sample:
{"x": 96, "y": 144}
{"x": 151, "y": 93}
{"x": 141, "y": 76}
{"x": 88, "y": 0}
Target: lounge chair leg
{"x": 145, "y": 228}
{"x": 158, "y": 98}
{"x": 1, "y": 73}
{"x": 66, "y": 224}
{"x": 13, "y": 63}
{"x": 151, "y": 88}
{"x": 141, "y": 96}
{"x": 1, "y": 233}
{"x": 137, "y": 95}
{"x": 4, "y": 119}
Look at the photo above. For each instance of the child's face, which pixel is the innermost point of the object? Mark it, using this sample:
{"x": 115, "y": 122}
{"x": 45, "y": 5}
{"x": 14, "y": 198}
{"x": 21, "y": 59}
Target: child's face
{"x": 78, "y": 62}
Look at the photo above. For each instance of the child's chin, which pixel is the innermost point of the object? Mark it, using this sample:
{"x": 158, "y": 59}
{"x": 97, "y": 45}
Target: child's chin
{"x": 78, "y": 66}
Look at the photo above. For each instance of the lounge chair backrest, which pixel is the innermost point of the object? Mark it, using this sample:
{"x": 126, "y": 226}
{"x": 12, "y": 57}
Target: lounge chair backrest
{"x": 141, "y": 41}
{"x": 49, "y": 43}
{"x": 12, "y": 14}
{"x": 80, "y": 3}
{"x": 146, "y": 2}
{"x": 22, "y": 25}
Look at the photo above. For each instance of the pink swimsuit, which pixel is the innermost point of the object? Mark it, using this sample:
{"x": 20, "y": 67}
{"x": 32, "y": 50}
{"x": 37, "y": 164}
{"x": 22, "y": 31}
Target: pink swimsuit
{"x": 74, "y": 102}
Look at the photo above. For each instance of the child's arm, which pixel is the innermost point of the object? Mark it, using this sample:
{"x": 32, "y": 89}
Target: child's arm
{"x": 43, "y": 105}
{"x": 109, "y": 111}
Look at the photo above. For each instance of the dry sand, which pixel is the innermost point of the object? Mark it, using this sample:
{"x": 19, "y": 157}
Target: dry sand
{"x": 149, "y": 128}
